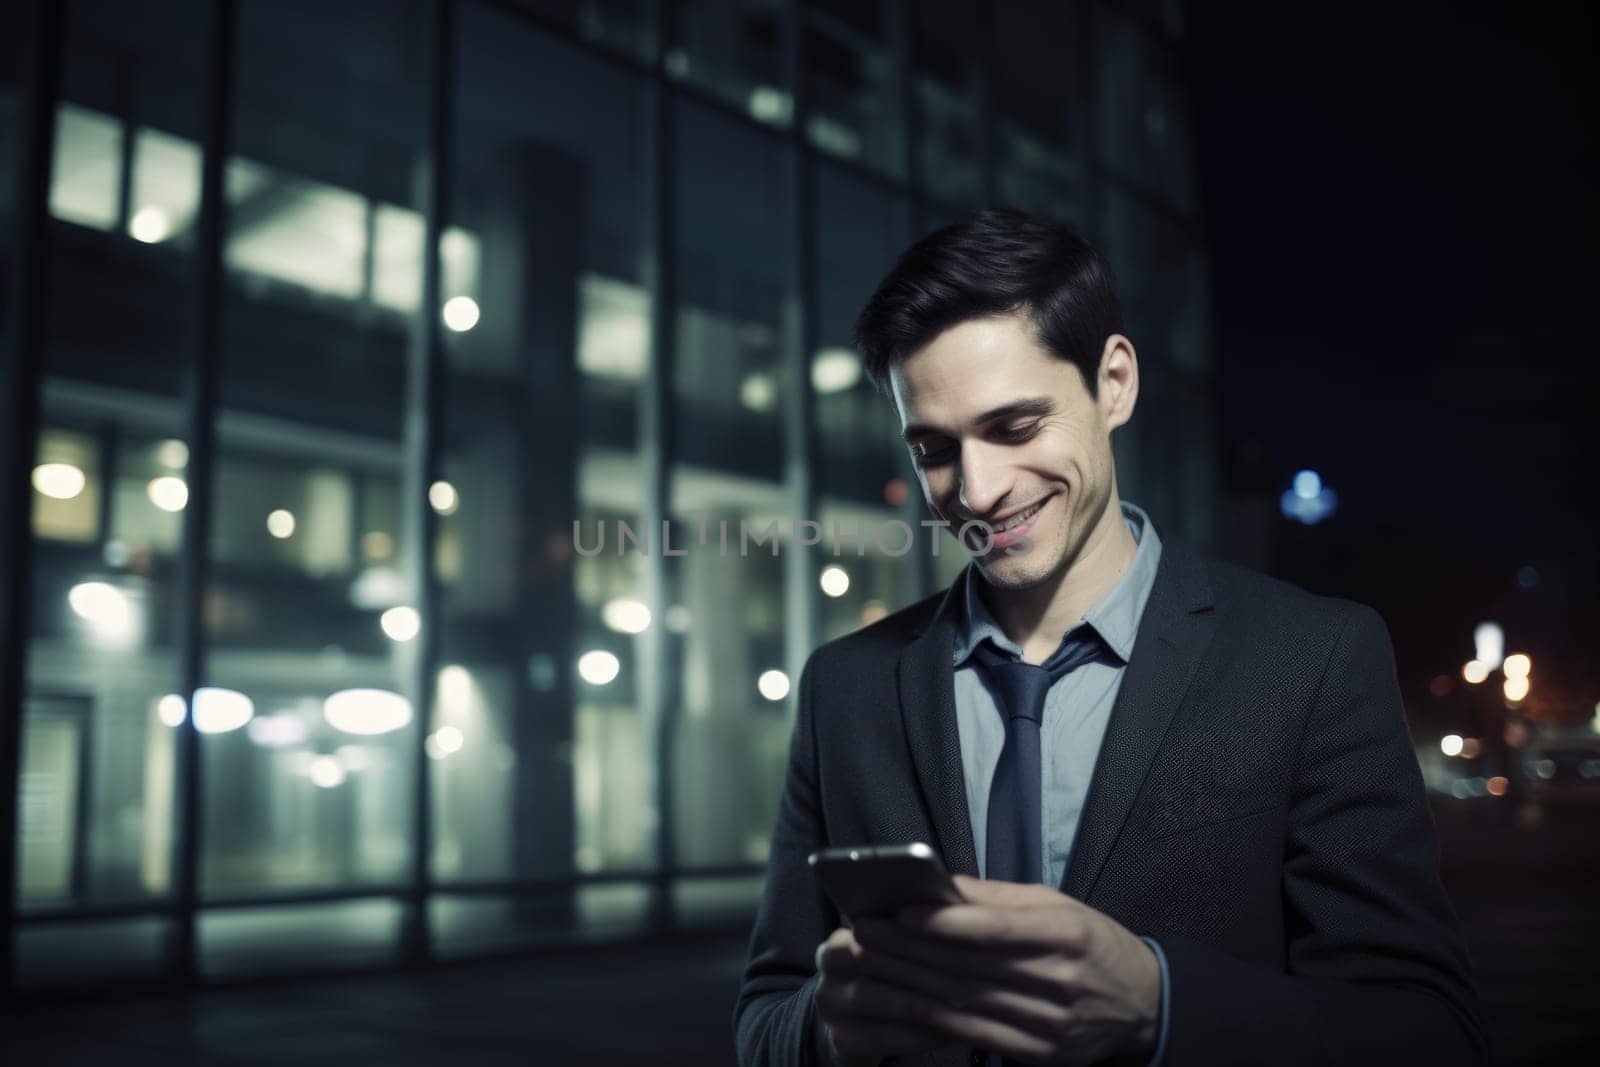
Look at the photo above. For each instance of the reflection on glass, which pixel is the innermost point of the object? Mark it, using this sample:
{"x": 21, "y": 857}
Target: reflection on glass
{"x": 731, "y": 739}
{"x": 732, "y": 48}
{"x": 732, "y": 279}
{"x": 865, "y": 579}
{"x": 949, "y": 136}
{"x": 860, "y": 233}
{"x": 850, "y": 85}
{"x": 306, "y": 758}
{"x": 83, "y": 175}
{"x": 625, "y": 25}
{"x": 95, "y": 797}
{"x": 943, "y": 33}
{"x": 1032, "y": 175}
{"x": 542, "y": 760}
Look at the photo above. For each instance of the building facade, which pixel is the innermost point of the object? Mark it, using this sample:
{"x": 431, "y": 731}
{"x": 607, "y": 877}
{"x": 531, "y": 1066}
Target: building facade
{"x": 357, "y": 357}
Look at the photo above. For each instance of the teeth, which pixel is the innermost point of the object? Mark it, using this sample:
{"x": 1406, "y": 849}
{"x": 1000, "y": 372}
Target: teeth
{"x": 1024, "y": 517}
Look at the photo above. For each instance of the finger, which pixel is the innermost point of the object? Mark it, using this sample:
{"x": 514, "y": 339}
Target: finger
{"x": 870, "y": 999}
{"x": 949, "y": 985}
{"x": 839, "y": 955}
{"x": 1052, "y": 927}
{"x": 1004, "y": 894}
{"x": 976, "y": 963}
{"x": 1041, "y": 1007}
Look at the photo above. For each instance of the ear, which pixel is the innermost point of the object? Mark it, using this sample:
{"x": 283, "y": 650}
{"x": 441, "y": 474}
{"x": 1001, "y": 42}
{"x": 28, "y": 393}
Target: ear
{"x": 1117, "y": 388}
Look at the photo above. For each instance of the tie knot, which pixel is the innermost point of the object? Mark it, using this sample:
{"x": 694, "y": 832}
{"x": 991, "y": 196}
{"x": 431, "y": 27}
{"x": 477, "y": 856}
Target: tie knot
{"x": 1023, "y": 686}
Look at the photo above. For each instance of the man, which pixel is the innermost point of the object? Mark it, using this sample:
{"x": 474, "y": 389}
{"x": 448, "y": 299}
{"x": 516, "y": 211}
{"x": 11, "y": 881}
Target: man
{"x": 1189, "y": 787}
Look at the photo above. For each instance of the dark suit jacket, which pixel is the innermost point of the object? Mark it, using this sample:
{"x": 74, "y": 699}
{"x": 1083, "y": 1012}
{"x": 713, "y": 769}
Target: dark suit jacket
{"x": 1256, "y": 807}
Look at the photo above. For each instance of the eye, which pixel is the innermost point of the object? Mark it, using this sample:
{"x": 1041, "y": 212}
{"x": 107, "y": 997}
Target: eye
{"x": 1019, "y": 432}
{"x": 932, "y": 453}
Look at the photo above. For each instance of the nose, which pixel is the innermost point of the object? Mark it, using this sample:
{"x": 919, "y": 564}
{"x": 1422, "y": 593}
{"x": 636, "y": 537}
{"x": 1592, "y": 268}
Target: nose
{"x": 985, "y": 479}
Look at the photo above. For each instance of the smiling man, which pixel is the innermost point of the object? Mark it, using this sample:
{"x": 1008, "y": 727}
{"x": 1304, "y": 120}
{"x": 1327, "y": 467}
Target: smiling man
{"x": 1178, "y": 796}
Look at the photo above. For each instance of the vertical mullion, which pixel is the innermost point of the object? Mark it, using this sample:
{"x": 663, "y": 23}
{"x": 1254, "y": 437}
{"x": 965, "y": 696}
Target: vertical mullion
{"x": 800, "y": 586}
{"x": 424, "y": 410}
{"x": 19, "y": 392}
{"x": 200, "y": 411}
{"x": 658, "y": 680}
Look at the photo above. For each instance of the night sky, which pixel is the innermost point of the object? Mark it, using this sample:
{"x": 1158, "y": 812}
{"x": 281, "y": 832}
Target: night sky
{"x": 1400, "y": 208}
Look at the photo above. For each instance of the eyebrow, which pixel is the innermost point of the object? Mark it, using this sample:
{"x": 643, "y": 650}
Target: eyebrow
{"x": 1033, "y": 405}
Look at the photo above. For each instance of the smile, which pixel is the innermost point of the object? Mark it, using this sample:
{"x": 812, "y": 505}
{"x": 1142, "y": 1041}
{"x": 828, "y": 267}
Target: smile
{"x": 1020, "y": 518}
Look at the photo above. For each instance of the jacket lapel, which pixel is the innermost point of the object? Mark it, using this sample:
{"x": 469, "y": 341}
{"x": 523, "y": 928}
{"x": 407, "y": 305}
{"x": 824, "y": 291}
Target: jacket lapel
{"x": 1173, "y": 634}
{"x": 928, "y": 708}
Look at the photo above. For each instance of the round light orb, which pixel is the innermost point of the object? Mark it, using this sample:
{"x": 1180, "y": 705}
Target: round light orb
{"x": 171, "y": 710}
{"x": 834, "y": 370}
{"x": 774, "y": 685}
{"x": 218, "y": 711}
{"x": 625, "y": 615}
{"x": 442, "y": 495}
{"x": 366, "y": 711}
{"x": 450, "y": 738}
{"x": 759, "y": 392}
{"x": 1450, "y": 744}
{"x": 280, "y": 524}
{"x": 461, "y": 313}
{"x": 276, "y": 731}
{"x": 168, "y": 493}
{"x": 1490, "y": 642}
{"x": 150, "y": 225}
{"x": 598, "y": 667}
{"x": 1475, "y": 671}
{"x": 835, "y": 581}
{"x": 59, "y": 481}
{"x": 1307, "y": 484}
{"x": 375, "y": 544}
{"x": 172, "y": 453}
{"x": 104, "y": 607}
{"x": 401, "y": 623}
{"x": 326, "y": 772}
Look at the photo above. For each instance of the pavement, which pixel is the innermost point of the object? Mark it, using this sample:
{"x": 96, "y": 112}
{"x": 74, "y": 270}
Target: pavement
{"x": 1524, "y": 895}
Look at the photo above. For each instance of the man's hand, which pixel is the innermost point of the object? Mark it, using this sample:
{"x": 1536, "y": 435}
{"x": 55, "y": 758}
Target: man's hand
{"x": 1022, "y": 970}
{"x": 862, "y": 1017}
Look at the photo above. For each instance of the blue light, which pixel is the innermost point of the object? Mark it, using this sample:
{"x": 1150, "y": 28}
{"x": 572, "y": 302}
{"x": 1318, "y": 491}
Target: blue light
{"x": 1307, "y": 484}
{"x": 1309, "y": 501}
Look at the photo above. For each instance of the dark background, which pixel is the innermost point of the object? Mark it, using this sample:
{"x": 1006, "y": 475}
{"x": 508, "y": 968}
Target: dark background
{"x": 1400, "y": 208}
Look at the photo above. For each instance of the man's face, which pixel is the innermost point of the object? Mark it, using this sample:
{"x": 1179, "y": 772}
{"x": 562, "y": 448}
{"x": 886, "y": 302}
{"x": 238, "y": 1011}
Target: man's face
{"x": 1005, "y": 434}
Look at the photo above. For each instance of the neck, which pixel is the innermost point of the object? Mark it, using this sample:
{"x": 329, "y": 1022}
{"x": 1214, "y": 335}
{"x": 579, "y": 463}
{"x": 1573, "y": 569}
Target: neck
{"x": 1036, "y": 617}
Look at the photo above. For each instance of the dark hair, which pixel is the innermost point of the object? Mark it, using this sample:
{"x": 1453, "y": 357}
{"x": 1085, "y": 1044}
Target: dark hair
{"x": 991, "y": 263}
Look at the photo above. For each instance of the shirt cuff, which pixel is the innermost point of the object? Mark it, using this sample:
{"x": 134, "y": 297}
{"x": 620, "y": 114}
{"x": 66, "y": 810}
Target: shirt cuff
{"x": 1166, "y": 1001}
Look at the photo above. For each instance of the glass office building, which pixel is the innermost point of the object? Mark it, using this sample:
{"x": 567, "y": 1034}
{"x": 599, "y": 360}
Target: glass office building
{"x": 339, "y": 336}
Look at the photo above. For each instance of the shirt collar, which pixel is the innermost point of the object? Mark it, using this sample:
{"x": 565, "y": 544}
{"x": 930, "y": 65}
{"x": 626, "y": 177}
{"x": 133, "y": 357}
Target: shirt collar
{"x": 1115, "y": 616}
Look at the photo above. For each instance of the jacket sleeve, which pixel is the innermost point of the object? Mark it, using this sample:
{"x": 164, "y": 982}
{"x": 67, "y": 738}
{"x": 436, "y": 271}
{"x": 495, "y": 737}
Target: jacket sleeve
{"x": 1376, "y": 972}
{"x": 773, "y": 1016}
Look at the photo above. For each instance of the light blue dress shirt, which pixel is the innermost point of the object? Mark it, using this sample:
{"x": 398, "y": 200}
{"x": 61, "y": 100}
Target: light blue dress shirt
{"x": 1076, "y": 710}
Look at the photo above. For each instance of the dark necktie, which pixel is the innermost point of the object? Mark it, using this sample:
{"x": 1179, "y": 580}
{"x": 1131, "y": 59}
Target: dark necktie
{"x": 1013, "y": 851}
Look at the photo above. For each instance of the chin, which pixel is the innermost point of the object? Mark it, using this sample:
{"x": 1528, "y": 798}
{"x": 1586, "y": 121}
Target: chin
{"x": 1016, "y": 572}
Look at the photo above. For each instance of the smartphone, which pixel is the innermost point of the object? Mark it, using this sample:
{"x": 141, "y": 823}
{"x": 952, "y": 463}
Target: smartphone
{"x": 879, "y": 880}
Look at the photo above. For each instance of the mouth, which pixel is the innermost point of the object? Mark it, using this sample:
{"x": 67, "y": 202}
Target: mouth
{"x": 1018, "y": 526}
